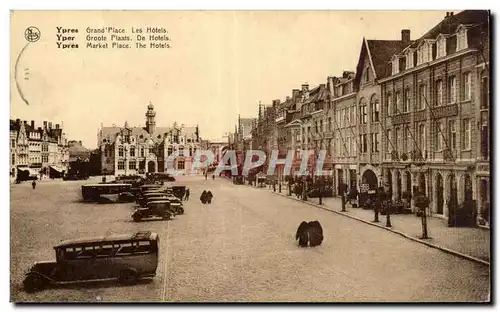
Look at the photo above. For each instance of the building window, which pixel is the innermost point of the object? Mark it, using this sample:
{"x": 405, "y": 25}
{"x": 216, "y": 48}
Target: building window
{"x": 439, "y": 93}
{"x": 407, "y": 101}
{"x": 409, "y": 59}
{"x": 142, "y": 151}
{"x": 348, "y": 143}
{"x": 467, "y": 86}
{"x": 462, "y": 39}
{"x": 364, "y": 143}
{"x": 13, "y": 143}
{"x": 13, "y": 159}
{"x": 421, "y": 137}
{"x": 121, "y": 165}
{"x": 374, "y": 142}
{"x": 367, "y": 75}
{"x": 388, "y": 146}
{"x": 466, "y": 134}
{"x": 190, "y": 151}
{"x": 321, "y": 125}
{"x": 395, "y": 65}
{"x": 422, "y": 89}
{"x": 397, "y": 104}
{"x": 452, "y": 87}
{"x": 405, "y": 139}
{"x": 375, "y": 110}
{"x": 484, "y": 93}
{"x": 388, "y": 108}
{"x": 181, "y": 151}
{"x": 132, "y": 151}
{"x": 329, "y": 123}
{"x": 131, "y": 165}
{"x": 151, "y": 150}
{"x": 441, "y": 47}
{"x": 120, "y": 151}
{"x": 453, "y": 135}
{"x": 439, "y": 136}
{"x": 362, "y": 114}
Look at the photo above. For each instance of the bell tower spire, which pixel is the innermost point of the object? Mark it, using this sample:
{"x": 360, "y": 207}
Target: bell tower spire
{"x": 150, "y": 119}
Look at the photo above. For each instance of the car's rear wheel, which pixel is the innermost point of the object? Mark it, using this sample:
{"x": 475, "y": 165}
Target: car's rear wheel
{"x": 33, "y": 282}
{"x": 166, "y": 216}
{"x": 181, "y": 210}
{"x": 127, "y": 276}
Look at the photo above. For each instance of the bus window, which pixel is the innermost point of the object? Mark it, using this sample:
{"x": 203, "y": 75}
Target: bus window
{"x": 106, "y": 251}
{"x": 125, "y": 249}
{"x": 86, "y": 253}
{"x": 143, "y": 247}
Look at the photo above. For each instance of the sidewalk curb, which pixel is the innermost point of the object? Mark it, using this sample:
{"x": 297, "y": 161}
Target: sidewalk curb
{"x": 418, "y": 240}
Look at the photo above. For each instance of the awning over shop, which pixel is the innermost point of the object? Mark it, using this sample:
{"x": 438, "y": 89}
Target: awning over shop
{"x": 33, "y": 172}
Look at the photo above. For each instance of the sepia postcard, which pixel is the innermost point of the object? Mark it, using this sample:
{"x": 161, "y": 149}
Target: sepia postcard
{"x": 250, "y": 156}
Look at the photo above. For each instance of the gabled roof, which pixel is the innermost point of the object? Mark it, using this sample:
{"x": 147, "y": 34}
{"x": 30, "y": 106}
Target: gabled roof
{"x": 320, "y": 93}
{"x": 379, "y": 52}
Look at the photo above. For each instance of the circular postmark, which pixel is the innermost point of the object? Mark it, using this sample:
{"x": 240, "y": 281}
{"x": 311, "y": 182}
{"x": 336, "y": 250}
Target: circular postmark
{"x": 32, "y": 34}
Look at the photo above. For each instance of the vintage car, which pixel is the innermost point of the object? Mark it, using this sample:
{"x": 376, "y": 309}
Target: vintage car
{"x": 142, "y": 200}
{"x": 154, "y": 208}
{"x": 145, "y": 200}
{"x": 179, "y": 191}
{"x": 175, "y": 205}
{"x": 122, "y": 257}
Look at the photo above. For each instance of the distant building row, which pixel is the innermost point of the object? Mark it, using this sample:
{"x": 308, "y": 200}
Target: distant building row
{"x": 37, "y": 151}
{"x": 414, "y": 115}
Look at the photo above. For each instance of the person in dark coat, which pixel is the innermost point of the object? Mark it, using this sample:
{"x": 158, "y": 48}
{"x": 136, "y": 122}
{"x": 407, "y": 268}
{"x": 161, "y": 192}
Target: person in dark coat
{"x": 33, "y": 184}
{"x": 301, "y": 234}
{"x": 213, "y": 177}
{"x": 187, "y": 195}
{"x": 203, "y": 197}
{"x": 315, "y": 233}
{"x": 209, "y": 197}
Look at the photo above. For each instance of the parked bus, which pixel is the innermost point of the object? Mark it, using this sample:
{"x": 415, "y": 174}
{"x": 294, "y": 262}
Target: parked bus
{"x": 122, "y": 257}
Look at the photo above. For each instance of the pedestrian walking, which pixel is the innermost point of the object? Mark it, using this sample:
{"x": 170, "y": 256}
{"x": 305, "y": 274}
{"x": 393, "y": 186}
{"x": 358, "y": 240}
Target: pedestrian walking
{"x": 187, "y": 195}
{"x": 33, "y": 184}
{"x": 213, "y": 177}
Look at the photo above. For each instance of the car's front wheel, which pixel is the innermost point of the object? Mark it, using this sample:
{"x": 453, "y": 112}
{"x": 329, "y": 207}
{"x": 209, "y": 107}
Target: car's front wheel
{"x": 33, "y": 282}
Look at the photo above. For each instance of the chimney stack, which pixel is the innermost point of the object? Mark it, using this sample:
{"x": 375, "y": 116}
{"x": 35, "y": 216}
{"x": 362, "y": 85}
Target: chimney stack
{"x": 50, "y": 125}
{"x": 295, "y": 94}
{"x": 45, "y": 124}
{"x": 405, "y": 37}
{"x": 305, "y": 87}
{"x": 287, "y": 98}
{"x": 57, "y": 126}
{"x": 32, "y": 124}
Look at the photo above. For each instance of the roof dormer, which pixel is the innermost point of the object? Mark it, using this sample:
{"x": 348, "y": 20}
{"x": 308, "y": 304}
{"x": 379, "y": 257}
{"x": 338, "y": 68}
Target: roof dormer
{"x": 395, "y": 64}
{"x": 461, "y": 33}
{"x": 441, "y": 45}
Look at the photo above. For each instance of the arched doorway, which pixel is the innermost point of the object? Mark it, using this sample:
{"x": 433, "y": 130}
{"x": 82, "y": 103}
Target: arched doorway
{"x": 408, "y": 181}
{"x": 452, "y": 185}
{"x": 439, "y": 193}
{"x": 421, "y": 183}
{"x": 151, "y": 166}
{"x": 369, "y": 177}
{"x": 398, "y": 181}
{"x": 467, "y": 187}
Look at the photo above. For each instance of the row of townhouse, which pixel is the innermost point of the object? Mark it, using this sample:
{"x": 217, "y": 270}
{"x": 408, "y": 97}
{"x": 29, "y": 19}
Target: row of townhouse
{"x": 415, "y": 116}
{"x": 37, "y": 151}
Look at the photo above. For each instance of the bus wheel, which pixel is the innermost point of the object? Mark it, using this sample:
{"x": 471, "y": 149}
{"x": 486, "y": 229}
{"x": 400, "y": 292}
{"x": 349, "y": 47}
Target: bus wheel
{"x": 136, "y": 217}
{"x": 127, "y": 276}
{"x": 33, "y": 282}
{"x": 181, "y": 210}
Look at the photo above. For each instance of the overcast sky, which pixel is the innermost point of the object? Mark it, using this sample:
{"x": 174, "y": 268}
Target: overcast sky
{"x": 221, "y": 64}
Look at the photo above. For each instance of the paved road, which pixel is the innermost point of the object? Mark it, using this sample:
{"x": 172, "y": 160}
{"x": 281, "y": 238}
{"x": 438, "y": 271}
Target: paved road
{"x": 240, "y": 248}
